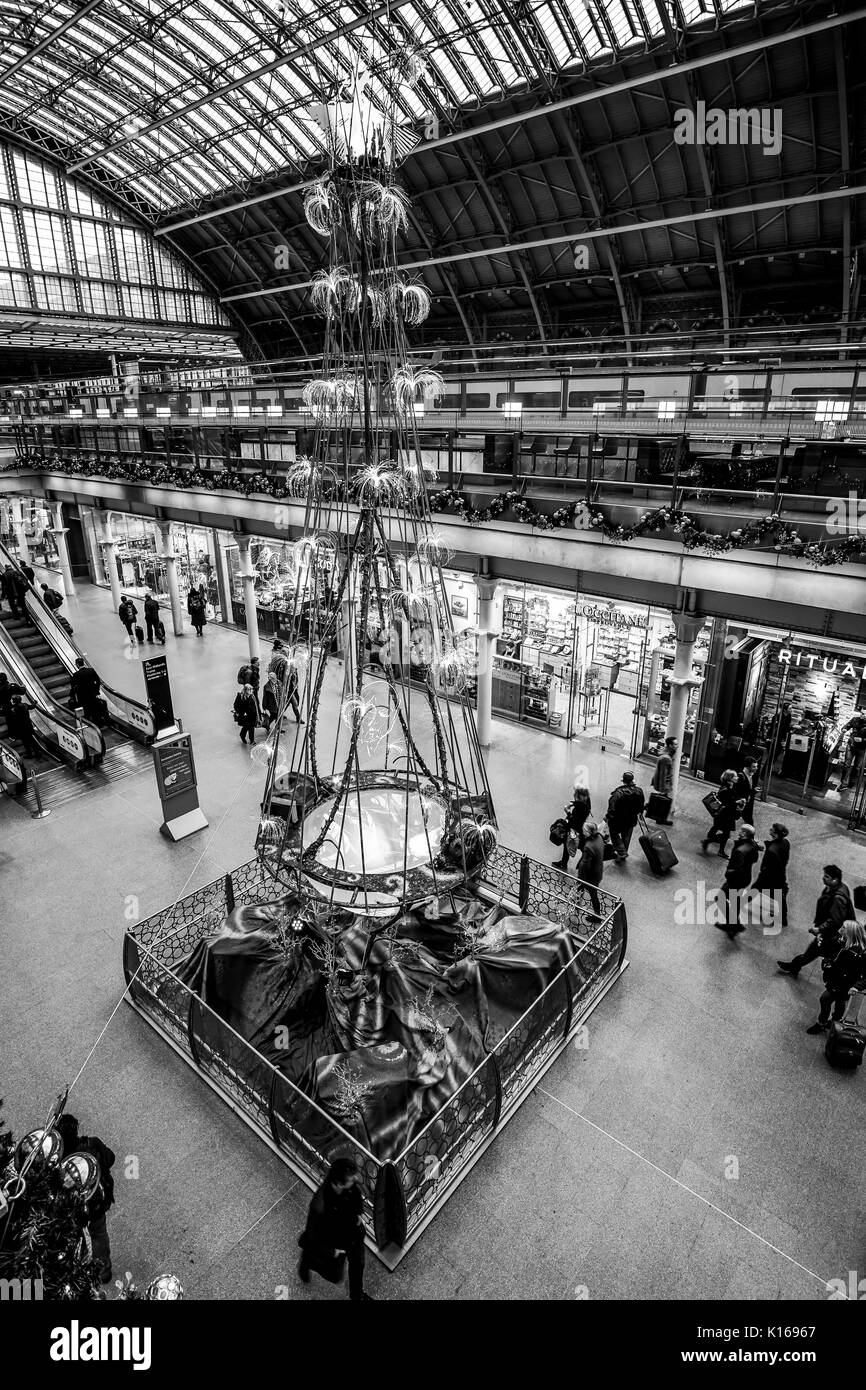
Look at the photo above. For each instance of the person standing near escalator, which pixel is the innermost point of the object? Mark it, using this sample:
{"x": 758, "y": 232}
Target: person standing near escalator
{"x": 20, "y": 726}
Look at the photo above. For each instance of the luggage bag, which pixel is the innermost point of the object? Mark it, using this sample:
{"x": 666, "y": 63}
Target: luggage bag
{"x": 846, "y": 1039}
{"x": 657, "y": 849}
{"x": 160, "y": 631}
{"x": 659, "y": 807}
{"x": 139, "y": 634}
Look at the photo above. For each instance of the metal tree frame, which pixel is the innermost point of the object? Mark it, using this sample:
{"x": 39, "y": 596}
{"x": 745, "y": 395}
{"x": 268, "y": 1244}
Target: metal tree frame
{"x": 401, "y": 1196}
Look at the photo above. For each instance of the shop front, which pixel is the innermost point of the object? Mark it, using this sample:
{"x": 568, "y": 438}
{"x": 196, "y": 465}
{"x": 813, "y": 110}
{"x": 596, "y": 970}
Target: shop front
{"x": 798, "y": 703}
{"x": 278, "y": 602}
{"x": 140, "y": 570}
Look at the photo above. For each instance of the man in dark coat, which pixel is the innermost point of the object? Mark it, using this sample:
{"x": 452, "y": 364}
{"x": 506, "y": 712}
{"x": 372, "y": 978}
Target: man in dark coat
{"x": 334, "y": 1226}
{"x": 249, "y": 674}
{"x": 51, "y": 598}
{"x": 624, "y": 808}
{"x": 832, "y": 909}
{"x": 14, "y": 587}
{"x": 20, "y": 727}
{"x": 773, "y": 873}
{"x": 745, "y": 788}
{"x": 127, "y": 613}
{"x": 738, "y": 875}
{"x": 84, "y": 690}
{"x": 151, "y": 615}
{"x": 663, "y": 776}
{"x": 590, "y": 866}
{"x": 7, "y": 690}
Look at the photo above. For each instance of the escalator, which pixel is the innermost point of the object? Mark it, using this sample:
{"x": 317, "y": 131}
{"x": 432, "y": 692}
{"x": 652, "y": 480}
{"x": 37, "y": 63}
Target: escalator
{"x": 41, "y": 656}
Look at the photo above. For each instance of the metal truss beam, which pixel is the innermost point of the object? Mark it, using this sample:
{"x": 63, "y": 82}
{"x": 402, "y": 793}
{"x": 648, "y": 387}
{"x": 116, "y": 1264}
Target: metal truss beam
{"x": 49, "y": 39}
{"x": 595, "y": 234}
{"x": 596, "y": 93}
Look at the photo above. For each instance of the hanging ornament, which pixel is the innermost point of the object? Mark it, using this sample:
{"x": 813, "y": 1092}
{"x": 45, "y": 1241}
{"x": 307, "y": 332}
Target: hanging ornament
{"x": 433, "y": 549}
{"x": 261, "y": 753}
{"x": 409, "y": 602}
{"x": 322, "y": 207}
{"x": 305, "y": 478}
{"x": 409, "y": 64}
{"x": 332, "y": 290}
{"x": 415, "y": 472}
{"x": 354, "y": 710}
{"x": 410, "y": 300}
{"x": 382, "y": 208}
{"x": 409, "y": 384}
{"x": 379, "y": 482}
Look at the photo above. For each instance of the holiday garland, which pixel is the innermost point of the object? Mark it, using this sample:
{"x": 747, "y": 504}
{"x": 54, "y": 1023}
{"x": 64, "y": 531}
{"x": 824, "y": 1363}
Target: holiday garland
{"x": 672, "y": 523}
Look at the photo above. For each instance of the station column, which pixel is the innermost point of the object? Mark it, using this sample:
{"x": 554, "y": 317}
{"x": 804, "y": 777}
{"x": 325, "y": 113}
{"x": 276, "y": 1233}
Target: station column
{"x": 687, "y": 627}
{"x": 59, "y": 532}
{"x": 486, "y": 637}
{"x": 168, "y": 556}
{"x": 246, "y": 572}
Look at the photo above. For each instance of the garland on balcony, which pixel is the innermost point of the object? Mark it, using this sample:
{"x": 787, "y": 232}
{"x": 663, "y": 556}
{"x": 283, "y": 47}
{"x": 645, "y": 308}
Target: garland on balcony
{"x": 670, "y": 522}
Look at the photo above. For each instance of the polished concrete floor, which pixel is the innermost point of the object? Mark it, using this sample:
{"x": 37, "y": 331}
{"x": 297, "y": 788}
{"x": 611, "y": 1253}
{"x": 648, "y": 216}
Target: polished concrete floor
{"x": 698, "y": 1147}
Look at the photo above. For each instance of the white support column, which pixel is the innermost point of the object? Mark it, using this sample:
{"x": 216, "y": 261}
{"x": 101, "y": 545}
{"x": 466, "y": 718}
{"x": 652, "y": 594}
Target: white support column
{"x": 486, "y": 637}
{"x": 59, "y": 532}
{"x": 168, "y": 556}
{"x": 687, "y": 626}
{"x": 246, "y": 572}
{"x": 18, "y": 525}
{"x": 106, "y": 539}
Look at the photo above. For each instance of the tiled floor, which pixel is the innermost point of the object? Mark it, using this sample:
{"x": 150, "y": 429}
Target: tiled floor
{"x": 700, "y": 1146}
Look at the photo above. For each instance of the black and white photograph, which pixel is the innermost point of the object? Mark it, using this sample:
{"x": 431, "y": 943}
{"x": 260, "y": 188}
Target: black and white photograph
{"x": 432, "y": 671}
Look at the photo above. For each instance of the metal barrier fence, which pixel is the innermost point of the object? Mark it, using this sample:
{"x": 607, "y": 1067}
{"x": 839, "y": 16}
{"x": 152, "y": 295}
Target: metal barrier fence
{"x": 398, "y": 1194}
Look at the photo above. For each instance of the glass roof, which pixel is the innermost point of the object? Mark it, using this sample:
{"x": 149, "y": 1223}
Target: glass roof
{"x": 176, "y": 100}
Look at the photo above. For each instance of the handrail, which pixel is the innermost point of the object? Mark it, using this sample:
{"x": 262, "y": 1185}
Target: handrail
{"x": 131, "y": 715}
{"x": 62, "y": 729}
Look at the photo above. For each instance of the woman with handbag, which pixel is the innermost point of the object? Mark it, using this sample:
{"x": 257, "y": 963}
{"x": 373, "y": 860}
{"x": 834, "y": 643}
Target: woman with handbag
{"x": 247, "y": 713}
{"x": 726, "y": 814}
{"x": 576, "y": 813}
{"x": 333, "y": 1236}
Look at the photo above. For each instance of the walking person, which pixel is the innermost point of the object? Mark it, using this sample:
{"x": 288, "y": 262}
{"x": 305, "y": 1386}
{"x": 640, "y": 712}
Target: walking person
{"x": 7, "y": 690}
{"x": 9, "y": 589}
{"x": 271, "y": 697}
{"x": 279, "y": 662}
{"x": 773, "y": 873}
{"x": 247, "y": 712}
{"x": 51, "y": 598}
{"x": 29, "y": 574}
{"x": 842, "y": 973}
{"x": 250, "y": 674}
{"x": 127, "y": 613}
{"x": 576, "y": 813}
{"x": 738, "y": 876}
{"x": 834, "y": 907}
{"x": 334, "y": 1236}
{"x": 663, "y": 776}
{"x": 726, "y": 817}
{"x": 590, "y": 867}
{"x": 103, "y": 1198}
{"x": 195, "y": 607}
{"x": 151, "y": 616}
{"x": 624, "y": 809}
{"x": 746, "y": 786}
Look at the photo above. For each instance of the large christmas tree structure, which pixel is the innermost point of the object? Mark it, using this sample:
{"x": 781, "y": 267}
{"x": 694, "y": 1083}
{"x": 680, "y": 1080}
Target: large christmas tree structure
{"x": 384, "y": 803}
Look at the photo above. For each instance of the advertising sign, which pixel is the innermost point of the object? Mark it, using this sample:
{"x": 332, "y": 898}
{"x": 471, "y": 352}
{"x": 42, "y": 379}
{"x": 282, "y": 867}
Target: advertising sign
{"x": 174, "y": 766}
{"x": 158, "y": 691}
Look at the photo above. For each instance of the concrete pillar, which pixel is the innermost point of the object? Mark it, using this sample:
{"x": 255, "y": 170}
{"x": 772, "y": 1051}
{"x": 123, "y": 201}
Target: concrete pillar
{"x": 246, "y": 573}
{"x": 170, "y": 561}
{"x": 18, "y": 526}
{"x": 687, "y": 627}
{"x": 105, "y": 537}
{"x": 486, "y": 637}
{"x": 59, "y": 532}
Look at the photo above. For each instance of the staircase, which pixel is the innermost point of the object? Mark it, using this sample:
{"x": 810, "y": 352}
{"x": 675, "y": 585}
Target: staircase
{"x": 42, "y": 660}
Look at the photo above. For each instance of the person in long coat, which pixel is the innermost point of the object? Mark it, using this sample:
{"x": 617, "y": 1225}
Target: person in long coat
{"x": 773, "y": 873}
{"x": 247, "y": 713}
{"x": 729, "y": 812}
{"x": 333, "y": 1226}
{"x": 590, "y": 867}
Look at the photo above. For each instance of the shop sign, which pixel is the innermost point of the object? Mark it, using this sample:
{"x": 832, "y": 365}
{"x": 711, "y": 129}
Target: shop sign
{"x": 614, "y": 617}
{"x": 812, "y": 661}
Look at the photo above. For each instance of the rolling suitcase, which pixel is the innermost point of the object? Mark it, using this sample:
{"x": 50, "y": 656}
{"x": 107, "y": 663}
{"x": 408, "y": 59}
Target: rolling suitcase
{"x": 139, "y": 634}
{"x": 846, "y": 1040}
{"x": 659, "y": 807}
{"x": 657, "y": 848}
{"x": 160, "y": 632}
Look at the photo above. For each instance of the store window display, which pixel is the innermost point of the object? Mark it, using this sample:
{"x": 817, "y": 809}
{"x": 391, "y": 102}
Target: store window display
{"x": 655, "y": 692}
{"x": 533, "y": 659}
{"x": 273, "y": 563}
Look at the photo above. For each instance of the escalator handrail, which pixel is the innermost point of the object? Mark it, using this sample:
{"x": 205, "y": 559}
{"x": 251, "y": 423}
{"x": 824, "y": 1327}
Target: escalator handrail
{"x": 67, "y": 651}
{"x": 44, "y": 702}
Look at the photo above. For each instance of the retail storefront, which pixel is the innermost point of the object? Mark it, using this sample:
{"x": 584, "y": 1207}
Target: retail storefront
{"x": 139, "y": 567}
{"x": 581, "y": 665}
{"x": 274, "y": 568}
{"x": 799, "y": 704}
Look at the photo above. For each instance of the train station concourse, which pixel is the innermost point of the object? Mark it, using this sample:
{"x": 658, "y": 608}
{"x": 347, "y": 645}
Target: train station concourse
{"x": 433, "y": 660}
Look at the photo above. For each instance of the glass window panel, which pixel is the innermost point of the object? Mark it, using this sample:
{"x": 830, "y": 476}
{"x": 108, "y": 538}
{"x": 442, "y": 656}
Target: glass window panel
{"x": 45, "y": 241}
{"x": 10, "y": 253}
{"x": 14, "y": 290}
{"x": 53, "y": 293}
{"x": 92, "y": 250}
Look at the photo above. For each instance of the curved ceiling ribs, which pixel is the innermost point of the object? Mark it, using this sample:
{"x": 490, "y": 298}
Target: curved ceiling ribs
{"x": 192, "y": 116}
